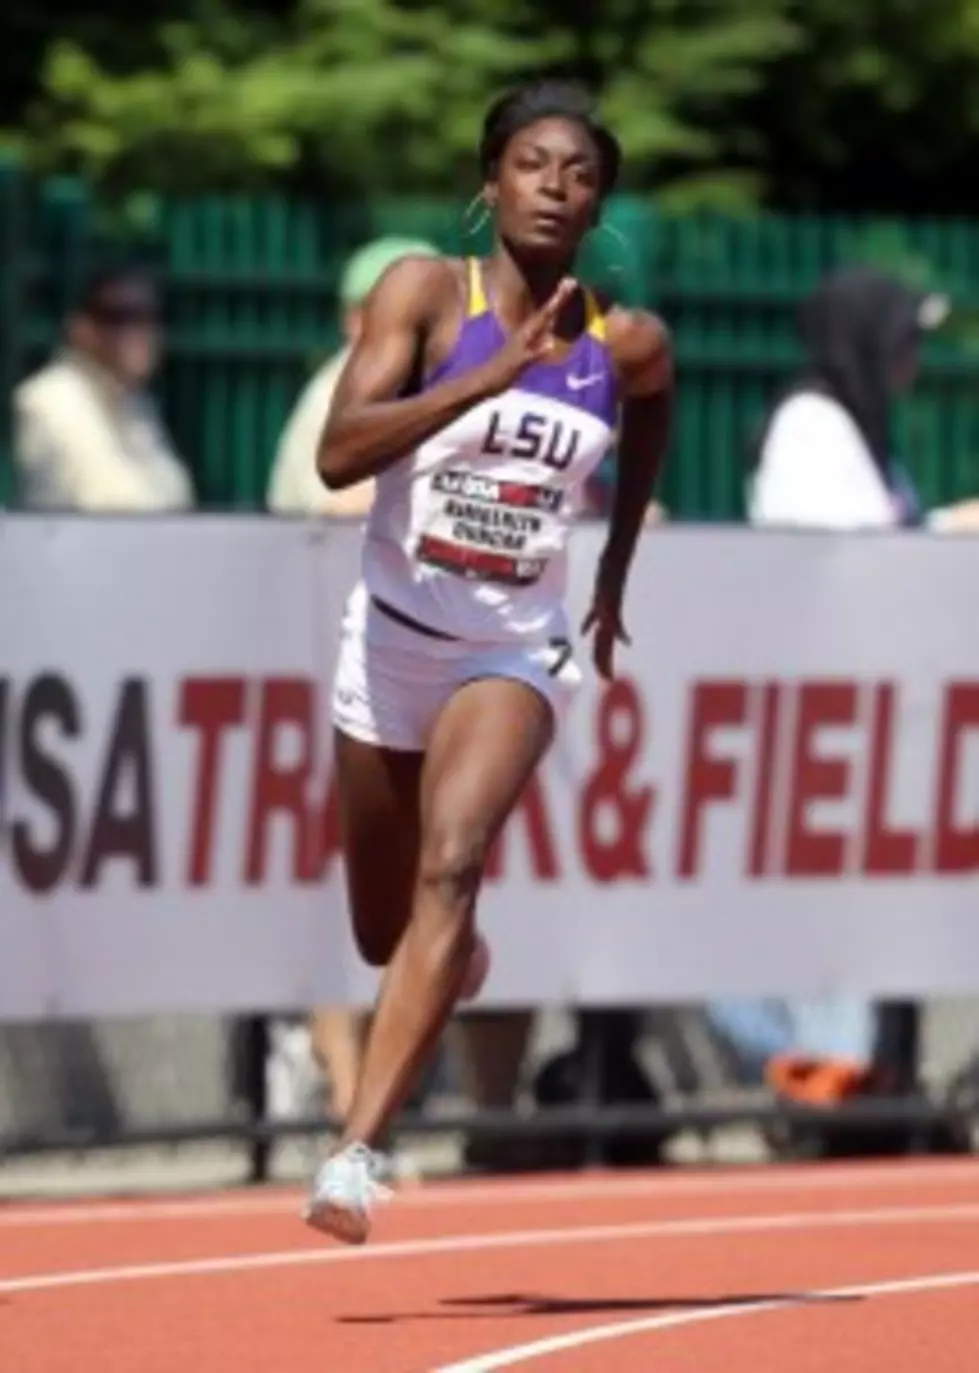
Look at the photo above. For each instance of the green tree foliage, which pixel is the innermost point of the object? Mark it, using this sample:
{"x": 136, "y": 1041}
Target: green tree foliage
{"x": 361, "y": 95}
{"x": 876, "y": 110}
{"x": 795, "y": 103}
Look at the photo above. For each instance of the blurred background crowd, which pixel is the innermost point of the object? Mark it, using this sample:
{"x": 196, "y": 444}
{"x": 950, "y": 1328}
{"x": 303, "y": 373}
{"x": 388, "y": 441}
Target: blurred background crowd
{"x": 197, "y": 197}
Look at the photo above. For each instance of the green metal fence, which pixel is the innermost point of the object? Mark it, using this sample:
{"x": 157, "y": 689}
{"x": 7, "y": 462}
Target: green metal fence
{"x": 252, "y": 303}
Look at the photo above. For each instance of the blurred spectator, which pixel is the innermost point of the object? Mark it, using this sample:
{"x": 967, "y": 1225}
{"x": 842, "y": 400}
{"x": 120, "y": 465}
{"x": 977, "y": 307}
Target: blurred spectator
{"x": 825, "y": 460}
{"x": 87, "y": 435}
{"x": 294, "y": 486}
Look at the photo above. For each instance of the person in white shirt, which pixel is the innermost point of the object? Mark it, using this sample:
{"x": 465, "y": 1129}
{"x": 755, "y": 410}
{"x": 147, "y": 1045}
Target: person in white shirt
{"x": 87, "y": 434}
{"x": 825, "y": 460}
{"x": 295, "y": 487}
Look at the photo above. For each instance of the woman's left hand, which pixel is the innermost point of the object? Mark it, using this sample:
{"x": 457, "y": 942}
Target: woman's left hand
{"x": 604, "y": 622}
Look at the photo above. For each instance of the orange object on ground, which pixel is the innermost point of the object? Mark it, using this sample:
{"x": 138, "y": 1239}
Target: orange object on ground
{"x": 818, "y": 1081}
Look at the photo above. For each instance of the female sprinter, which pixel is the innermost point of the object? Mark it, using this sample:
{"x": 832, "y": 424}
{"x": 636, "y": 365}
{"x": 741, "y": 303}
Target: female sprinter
{"x": 481, "y": 395}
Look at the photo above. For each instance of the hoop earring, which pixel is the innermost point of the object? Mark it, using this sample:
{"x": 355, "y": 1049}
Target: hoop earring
{"x": 475, "y": 215}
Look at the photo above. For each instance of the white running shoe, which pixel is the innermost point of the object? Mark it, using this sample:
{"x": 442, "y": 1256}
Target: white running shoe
{"x": 344, "y": 1190}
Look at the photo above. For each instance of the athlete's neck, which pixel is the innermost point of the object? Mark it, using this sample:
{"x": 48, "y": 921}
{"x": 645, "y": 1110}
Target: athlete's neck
{"x": 518, "y": 288}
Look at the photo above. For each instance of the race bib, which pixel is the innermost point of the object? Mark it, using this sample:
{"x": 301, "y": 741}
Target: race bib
{"x": 489, "y": 530}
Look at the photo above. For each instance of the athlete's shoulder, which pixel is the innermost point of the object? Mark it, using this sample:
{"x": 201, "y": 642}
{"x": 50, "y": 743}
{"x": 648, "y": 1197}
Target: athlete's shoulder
{"x": 418, "y": 287}
{"x": 641, "y": 349}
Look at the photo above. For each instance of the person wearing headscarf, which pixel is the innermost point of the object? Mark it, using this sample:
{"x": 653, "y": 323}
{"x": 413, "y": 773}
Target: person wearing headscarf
{"x": 825, "y": 458}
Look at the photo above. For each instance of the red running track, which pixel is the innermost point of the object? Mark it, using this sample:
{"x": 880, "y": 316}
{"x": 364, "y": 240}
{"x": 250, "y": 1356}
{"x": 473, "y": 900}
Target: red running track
{"x": 774, "y": 1270}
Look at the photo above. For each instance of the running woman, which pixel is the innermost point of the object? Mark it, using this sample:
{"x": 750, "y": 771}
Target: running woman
{"x": 480, "y": 395}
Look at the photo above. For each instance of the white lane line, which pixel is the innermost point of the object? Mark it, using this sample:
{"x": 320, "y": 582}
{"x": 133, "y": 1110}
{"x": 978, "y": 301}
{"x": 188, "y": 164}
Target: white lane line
{"x": 701, "y": 1226}
{"x": 560, "y": 1344}
{"x": 758, "y": 1180}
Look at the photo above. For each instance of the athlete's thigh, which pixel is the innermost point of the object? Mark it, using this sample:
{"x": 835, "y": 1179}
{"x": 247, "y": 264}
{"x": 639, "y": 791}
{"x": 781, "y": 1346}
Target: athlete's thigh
{"x": 482, "y": 752}
{"x": 380, "y": 828}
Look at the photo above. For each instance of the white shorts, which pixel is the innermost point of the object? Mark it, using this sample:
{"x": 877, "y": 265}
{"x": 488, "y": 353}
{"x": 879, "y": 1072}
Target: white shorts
{"x": 391, "y": 681}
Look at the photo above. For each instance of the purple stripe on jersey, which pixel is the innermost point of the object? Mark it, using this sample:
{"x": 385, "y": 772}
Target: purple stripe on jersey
{"x": 584, "y": 378}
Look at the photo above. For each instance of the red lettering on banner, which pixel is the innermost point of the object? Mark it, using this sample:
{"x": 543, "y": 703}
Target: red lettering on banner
{"x": 48, "y": 700}
{"x": 60, "y": 834}
{"x": 211, "y": 705}
{"x": 956, "y": 847}
{"x": 619, "y": 711}
{"x": 118, "y": 831}
{"x": 543, "y": 850}
{"x": 714, "y": 705}
{"x": 808, "y": 852}
{"x": 759, "y": 851}
{"x": 888, "y": 851}
{"x": 286, "y": 707}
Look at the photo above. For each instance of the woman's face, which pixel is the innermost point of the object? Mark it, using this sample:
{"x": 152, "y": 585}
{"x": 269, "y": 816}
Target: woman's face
{"x": 548, "y": 190}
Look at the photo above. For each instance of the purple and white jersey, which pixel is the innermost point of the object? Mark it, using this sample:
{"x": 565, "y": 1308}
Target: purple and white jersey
{"x": 468, "y": 534}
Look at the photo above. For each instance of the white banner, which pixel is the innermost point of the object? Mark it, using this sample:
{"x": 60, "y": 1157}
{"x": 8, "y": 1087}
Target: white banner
{"x": 781, "y": 794}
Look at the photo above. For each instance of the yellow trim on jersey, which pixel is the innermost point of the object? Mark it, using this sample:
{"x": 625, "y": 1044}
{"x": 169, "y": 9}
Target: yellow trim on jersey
{"x": 594, "y": 319}
{"x": 478, "y": 304}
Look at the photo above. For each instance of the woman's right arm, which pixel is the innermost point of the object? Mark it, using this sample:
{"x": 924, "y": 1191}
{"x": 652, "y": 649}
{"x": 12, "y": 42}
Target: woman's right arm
{"x": 369, "y": 427}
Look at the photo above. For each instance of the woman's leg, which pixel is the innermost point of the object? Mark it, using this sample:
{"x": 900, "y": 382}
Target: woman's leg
{"x": 379, "y": 792}
{"x": 483, "y": 750}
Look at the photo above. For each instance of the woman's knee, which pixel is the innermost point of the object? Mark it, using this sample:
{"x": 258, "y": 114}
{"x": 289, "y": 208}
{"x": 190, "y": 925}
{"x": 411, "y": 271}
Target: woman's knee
{"x": 453, "y": 857}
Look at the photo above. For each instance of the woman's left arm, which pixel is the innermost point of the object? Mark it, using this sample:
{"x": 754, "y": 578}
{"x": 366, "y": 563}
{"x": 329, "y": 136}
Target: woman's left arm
{"x": 640, "y": 348}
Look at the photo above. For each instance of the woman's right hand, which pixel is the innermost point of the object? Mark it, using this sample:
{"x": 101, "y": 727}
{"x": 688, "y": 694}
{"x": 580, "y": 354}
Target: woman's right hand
{"x": 532, "y": 342}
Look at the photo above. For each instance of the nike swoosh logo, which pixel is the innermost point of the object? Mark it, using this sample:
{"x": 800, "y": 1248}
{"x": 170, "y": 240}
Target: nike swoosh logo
{"x": 579, "y": 383}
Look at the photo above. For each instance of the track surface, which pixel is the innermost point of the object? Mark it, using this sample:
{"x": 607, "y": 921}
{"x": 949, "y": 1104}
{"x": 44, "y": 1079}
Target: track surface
{"x": 755, "y": 1271}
